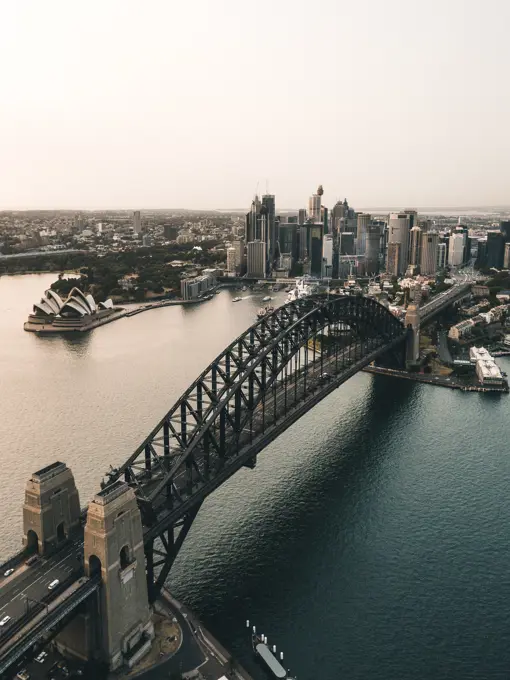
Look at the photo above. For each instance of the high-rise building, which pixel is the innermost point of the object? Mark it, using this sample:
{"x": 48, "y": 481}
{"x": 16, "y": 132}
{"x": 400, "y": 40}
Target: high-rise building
{"x": 399, "y": 226}
{"x": 441, "y": 257}
{"x": 456, "y": 249}
{"x": 288, "y": 238}
{"x": 327, "y": 256}
{"x": 137, "y": 222}
{"x": 495, "y": 249}
{"x": 240, "y": 256}
{"x": 347, "y": 243}
{"x": 372, "y": 248}
{"x": 415, "y": 243}
{"x": 315, "y": 237}
{"x": 363, "y": 220}
{"x": 481, "y": 258}
{"x": 253, "y": 229}
{"x": 301, "y": 216}
{"x": 256, "y": 259}
{"x": 504, "y": 226}
{"x": 394, "y": 258}
{"x": 314, "y": 208}
{"x": 506, "y": 258}
{"x": 428, "y": 257}
{"x": 231, "y": 260}
{"x": 271, "y": 237}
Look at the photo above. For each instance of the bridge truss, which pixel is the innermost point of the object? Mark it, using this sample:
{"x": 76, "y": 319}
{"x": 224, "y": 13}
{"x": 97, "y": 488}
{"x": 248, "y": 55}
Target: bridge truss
{"x": 255, "y": 389}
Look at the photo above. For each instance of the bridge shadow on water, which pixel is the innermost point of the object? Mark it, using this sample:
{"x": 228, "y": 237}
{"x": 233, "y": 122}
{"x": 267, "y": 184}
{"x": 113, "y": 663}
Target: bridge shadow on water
{"x": 257, "y": 543}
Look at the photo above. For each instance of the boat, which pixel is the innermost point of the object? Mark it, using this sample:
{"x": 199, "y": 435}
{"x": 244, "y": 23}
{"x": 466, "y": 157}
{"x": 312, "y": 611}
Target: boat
{"x": 268, "y": 298}
{"x": 243, "y": 288}
{"x": 237, "y": 299}
{"x": 267, "y": 657}
{"x": 264, "y": 311}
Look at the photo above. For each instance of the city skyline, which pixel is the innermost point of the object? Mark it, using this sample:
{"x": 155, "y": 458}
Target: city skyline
{"x": 105, "y": 111}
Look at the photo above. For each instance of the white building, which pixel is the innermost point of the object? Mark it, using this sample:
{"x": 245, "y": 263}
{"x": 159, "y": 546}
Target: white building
{"x": 193, "y": 288}
{"x": 327, "y": 255}
{"x": 398, "y": 233}
{"x": 456, "y": 249}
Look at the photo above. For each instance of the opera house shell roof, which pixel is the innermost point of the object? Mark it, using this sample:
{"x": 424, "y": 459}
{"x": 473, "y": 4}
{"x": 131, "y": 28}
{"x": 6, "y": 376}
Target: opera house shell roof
{"x": 76, "y": 305}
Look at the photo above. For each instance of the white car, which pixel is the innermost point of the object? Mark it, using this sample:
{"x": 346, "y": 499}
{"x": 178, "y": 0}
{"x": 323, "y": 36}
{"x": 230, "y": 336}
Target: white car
{"x": 5, "y": 620}
{"x": 41, "y": 657}
{"x": 53, "y": 584}
{"x": 8, "y": 572}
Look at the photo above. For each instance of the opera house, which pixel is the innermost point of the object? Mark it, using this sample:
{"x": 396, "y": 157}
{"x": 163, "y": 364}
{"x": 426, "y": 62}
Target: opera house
{"x": 78, "y": 312}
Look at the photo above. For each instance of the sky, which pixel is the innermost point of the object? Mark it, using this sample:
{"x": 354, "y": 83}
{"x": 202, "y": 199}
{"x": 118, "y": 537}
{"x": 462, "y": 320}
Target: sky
{"x": 200, "y": 103}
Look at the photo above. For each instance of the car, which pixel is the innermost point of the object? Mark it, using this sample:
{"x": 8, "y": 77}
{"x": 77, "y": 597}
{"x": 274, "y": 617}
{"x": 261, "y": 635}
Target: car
{"x": 23, "y": 675}
{"x": 32, "y": 560}
{"x": 8, "y": 572}
{"x": 53, "y": 584}
{"x": 41, "y": 657}
{"x": 325, "y": 377}
{"x": 5, "y": 620}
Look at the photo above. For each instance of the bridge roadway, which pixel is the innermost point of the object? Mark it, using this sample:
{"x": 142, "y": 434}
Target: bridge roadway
{"x": 28, "y": 585}
{"x": 441, "y": 301}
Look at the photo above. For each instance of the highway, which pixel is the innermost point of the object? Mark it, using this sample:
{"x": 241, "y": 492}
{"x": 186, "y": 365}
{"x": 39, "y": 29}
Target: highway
{"x": 28, "y": 585}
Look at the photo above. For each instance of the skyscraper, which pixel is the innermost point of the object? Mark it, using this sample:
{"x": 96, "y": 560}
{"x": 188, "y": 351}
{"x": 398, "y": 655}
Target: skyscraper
{"x": 314, "y": 208}
{"x": 372, "y": 248}
{"x": 398, "y": 233}
{"x": 495, "y": 249}
{"x": 506, "y": 258}
{"x": 428, "y": 257}
{"x": 363, "y": 220}
{"x": 415, "y": 243}
{"x": 137, "y": 222}
{"x": 456, "y": 249}
{"x": 271, "y": 237}
{"x": 504, "y": 226}
{"x": 327, "y": 256}
{"x": 301, "y": 216}
{"x": 256, "y": 259}
{"x": 394, "y": 258}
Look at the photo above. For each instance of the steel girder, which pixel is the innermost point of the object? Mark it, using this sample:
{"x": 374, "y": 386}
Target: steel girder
{"x": 253, "y": 390}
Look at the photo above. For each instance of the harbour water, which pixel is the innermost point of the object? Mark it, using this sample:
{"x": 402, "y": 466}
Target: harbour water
{"x": 371, "y": 540}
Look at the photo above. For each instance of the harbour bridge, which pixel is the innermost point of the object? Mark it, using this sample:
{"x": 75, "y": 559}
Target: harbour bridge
{"x": 114, "y": 557}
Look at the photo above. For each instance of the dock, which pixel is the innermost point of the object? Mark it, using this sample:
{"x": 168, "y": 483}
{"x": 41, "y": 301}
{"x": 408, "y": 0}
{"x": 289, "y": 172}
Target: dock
{"x": 441, "y": 381}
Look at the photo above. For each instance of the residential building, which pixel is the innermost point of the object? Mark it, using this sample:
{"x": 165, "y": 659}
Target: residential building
{"x": 195, "y": 287}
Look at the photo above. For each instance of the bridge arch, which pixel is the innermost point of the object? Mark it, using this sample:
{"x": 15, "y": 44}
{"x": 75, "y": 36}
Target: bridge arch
{"x": 260, "y": 384}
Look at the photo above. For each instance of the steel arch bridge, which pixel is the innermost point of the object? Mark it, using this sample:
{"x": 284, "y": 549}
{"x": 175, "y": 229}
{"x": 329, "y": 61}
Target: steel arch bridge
{"x": 255, "y": 389}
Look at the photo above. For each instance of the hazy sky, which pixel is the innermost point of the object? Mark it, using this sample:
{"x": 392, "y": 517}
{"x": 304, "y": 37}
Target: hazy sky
{"x": 190, "y": 103}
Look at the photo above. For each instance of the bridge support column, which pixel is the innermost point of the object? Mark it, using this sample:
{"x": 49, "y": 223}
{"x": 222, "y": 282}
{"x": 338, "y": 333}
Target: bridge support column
{"x": 51, "y": 511}
{"x": 114, "y": 547}
{"x": 413, "y": 338}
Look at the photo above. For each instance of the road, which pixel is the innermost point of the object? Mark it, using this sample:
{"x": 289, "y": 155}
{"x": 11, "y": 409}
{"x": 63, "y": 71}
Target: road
{"x": 29, "y": 585}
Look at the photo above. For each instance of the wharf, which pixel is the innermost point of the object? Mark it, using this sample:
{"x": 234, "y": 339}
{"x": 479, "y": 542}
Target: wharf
{"x": 198, "y": 654}
{"x": 440, "y": 380}
{"x": 165, "y": 303}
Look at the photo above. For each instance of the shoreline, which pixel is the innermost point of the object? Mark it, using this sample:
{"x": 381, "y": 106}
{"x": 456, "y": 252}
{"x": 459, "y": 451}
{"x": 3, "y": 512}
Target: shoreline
{"x": 438, "y": 380}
